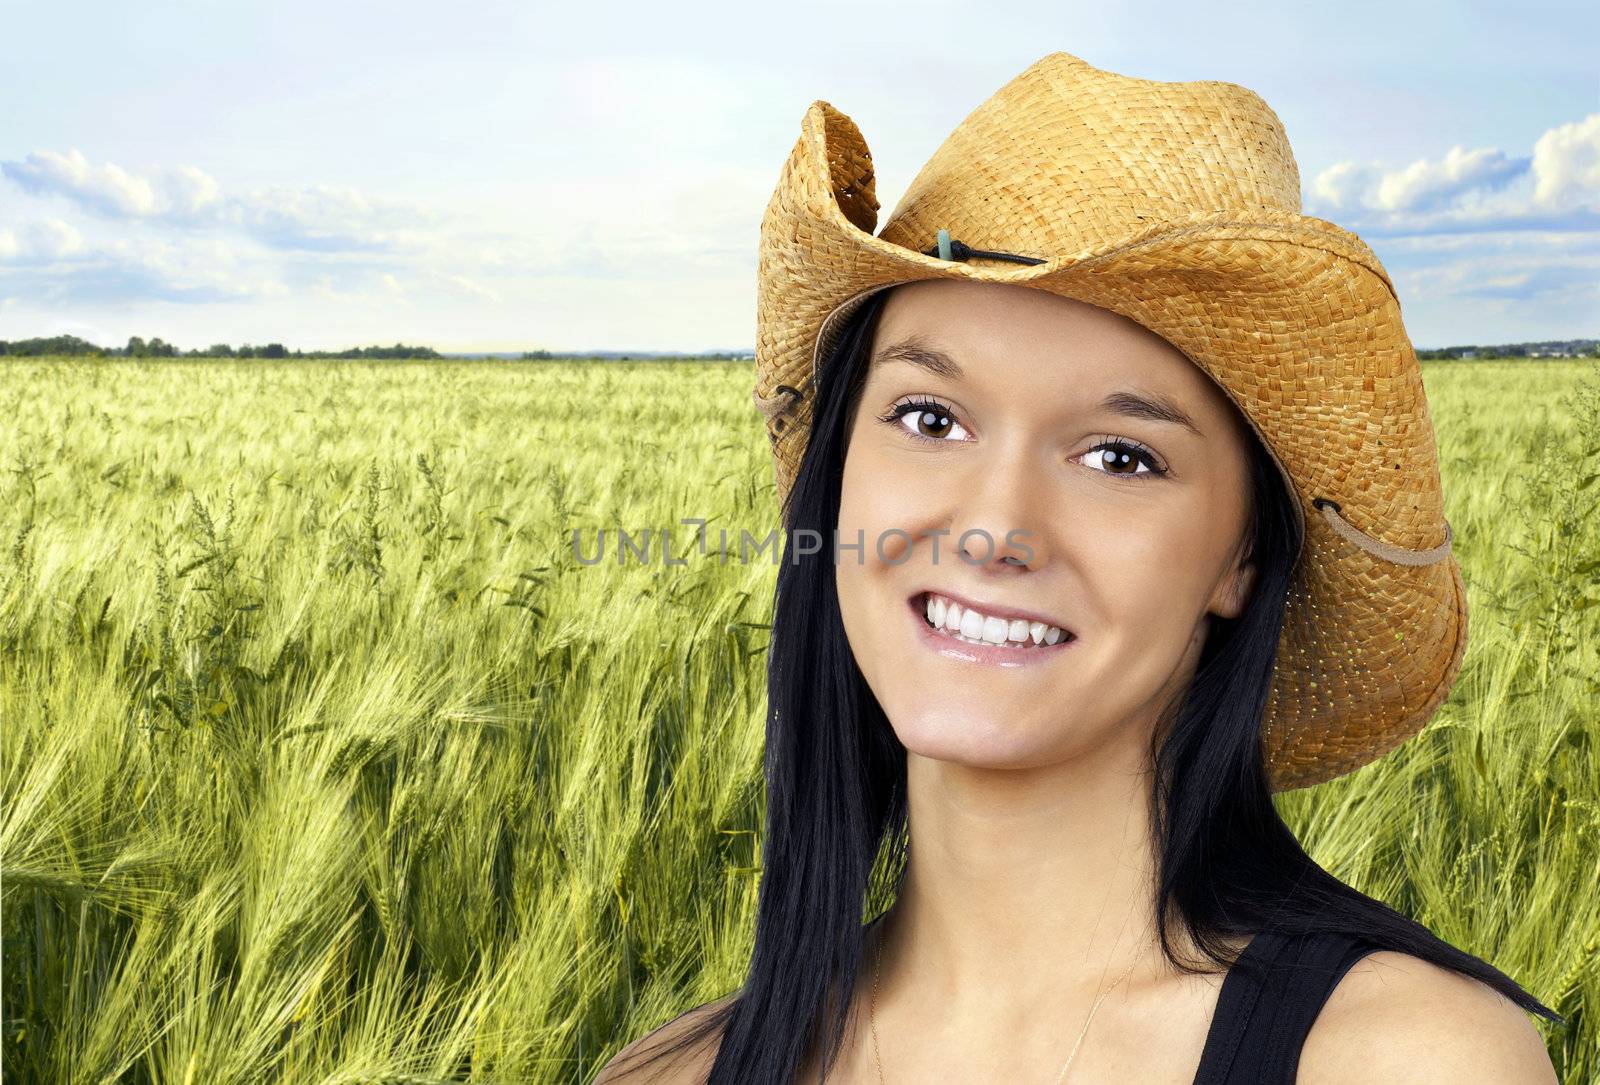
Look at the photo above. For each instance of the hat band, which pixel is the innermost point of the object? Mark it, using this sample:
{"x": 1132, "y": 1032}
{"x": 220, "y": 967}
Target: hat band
{"x": 1395, "y": 555}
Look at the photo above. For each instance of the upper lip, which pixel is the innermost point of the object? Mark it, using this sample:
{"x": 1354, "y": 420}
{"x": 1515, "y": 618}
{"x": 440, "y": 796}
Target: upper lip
{"x": 990, "y": 610}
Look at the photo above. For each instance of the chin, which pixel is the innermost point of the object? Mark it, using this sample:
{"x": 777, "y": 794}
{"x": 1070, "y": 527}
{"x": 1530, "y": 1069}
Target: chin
{"x": 981, "y": 739}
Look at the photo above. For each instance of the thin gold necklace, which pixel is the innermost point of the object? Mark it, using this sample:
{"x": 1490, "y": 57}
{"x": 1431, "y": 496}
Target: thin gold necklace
{"x": 877, "y": 961}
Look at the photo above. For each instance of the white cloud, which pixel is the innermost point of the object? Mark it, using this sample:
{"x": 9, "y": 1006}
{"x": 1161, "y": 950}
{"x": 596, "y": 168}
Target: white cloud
{"x": 1425, "y": 184}
{"x": 327, "y": 218}
{"x": 191, "y": 190}
{"x": 615, "y": 228}
{"x": 54, "y": 264}
{"x": 1342, "y": 184}
{"x": 41, "y": 241}
{"x": 319, "y": 217}
{"x": 474, "y": 289}
{"x": 1556, "y": 188}
{"x": 1508, "y": 276}
{"x": 328, "y": 287}
{"x": 177, "y": 235}
{"x": 1566, "y": 165}
{"x": 107, "y": 188}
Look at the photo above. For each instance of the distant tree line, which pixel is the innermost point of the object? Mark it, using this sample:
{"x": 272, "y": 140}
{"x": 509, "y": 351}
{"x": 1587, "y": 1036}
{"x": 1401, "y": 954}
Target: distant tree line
{"x": 159, "y": 348}
{"x": 638, "y": 355}
{"x": 1555, "y": 348}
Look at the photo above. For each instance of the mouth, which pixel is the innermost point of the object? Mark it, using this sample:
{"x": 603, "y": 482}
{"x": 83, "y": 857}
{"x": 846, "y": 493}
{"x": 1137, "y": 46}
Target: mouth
{"x": 1008, "y": 639}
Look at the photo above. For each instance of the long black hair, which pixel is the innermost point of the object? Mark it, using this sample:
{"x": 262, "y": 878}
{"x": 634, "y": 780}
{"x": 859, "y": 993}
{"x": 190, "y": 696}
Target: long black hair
{"x": 836, "y": 814}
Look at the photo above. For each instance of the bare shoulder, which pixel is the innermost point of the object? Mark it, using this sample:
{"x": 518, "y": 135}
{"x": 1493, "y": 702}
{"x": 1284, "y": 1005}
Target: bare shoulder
{"x": 688, "y": 1066}
{"x": 1397, "y": 1018}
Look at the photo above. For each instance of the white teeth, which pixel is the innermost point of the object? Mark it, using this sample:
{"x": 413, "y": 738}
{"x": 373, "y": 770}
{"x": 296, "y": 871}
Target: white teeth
{"x": 972, "y": 624}
{"x": 969, "y": 625}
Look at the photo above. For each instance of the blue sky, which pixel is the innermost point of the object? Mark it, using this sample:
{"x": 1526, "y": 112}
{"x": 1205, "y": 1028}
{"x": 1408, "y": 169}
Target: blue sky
{"x": 505, "y": 176}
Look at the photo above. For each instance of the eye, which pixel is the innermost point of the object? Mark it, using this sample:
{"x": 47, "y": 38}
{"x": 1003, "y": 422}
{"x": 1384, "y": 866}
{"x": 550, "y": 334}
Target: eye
{"x": 926, "y": 415}
{"x": 1113, "y": 455}
{"x": 1116, "y": 455}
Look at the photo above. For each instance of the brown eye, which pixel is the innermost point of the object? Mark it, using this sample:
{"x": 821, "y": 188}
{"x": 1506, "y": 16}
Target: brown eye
{"x": 1119, "y": 462}
{"x": 933, "y": 423}
{"x": 1113, "y": 457}
{"x": 925, "y": 420}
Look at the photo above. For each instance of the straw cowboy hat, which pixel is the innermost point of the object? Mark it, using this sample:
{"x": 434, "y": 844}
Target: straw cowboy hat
{"x": 1177, "y": 205}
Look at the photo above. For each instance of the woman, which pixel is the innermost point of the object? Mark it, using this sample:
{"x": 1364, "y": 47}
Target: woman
{"x": 1130, "y": 504}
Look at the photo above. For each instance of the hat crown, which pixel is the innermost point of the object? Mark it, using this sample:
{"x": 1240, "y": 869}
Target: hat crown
{"x": 1066, "y": 157}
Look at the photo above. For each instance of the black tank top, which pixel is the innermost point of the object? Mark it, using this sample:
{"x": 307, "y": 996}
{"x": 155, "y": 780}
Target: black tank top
{"x": 1268, "y": 1002}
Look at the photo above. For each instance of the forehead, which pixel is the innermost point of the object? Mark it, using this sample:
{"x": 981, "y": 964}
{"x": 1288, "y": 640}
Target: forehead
{"x": 1031, "y": 341}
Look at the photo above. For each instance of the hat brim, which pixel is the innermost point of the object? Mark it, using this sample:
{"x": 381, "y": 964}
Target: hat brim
{"x": 1296, "y": 321}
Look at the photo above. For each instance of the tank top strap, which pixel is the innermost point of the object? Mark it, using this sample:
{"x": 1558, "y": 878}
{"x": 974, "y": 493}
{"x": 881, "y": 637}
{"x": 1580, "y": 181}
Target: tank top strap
{"x": 1269, "y": 1000}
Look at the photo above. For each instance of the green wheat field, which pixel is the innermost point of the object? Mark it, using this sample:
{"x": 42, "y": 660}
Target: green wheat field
{"x": 326, "y": 760}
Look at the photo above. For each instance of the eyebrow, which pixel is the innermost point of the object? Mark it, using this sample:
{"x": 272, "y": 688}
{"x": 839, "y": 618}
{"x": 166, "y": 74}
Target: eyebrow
{"x": 1144, "y": 405}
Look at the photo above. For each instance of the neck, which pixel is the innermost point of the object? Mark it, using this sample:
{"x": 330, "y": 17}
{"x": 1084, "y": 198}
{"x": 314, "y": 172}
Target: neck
{"x": 1023, "y": 887}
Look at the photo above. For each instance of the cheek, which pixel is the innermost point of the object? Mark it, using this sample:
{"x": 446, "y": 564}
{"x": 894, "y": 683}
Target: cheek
{"x": 1137, "y": 562}
{"x": 1162, "y": 577}
{"x": 883, "y": 504}
{"x": 1149, "y": 579}
{"x": 873, "y": 501}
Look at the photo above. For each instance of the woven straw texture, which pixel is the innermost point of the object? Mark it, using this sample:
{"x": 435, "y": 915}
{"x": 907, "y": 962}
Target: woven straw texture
{"x": 1177, "y": 205}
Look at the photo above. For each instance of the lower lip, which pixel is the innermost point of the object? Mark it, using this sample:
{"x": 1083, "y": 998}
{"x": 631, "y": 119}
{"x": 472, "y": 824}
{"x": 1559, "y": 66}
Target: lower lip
{"x": 995, "y": 655}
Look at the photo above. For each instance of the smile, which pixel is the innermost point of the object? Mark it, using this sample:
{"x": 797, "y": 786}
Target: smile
{"x": 968, "y": 634}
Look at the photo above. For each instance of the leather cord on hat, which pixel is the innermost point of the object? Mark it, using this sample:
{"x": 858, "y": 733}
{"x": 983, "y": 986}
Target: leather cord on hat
{"x": 779, "y": 401}
{"x": 946, "y": 249}
{"x": 1395, "y": 555}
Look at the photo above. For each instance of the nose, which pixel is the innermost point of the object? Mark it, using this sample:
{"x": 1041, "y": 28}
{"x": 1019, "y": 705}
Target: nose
{"x": 999, "y": 515}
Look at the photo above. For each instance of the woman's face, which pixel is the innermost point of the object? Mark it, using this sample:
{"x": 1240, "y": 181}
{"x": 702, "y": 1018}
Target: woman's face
{"x": 1080, "y": 510}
